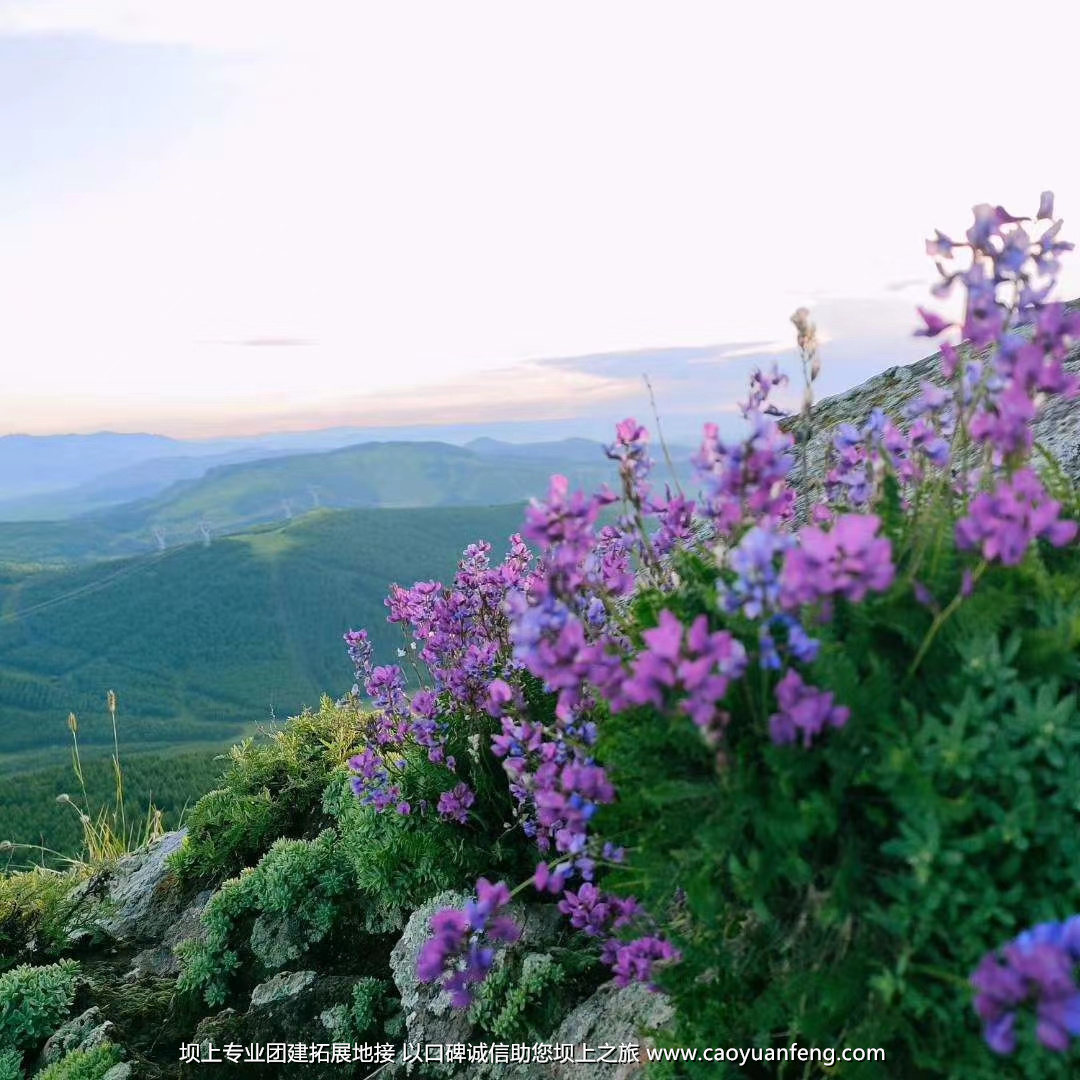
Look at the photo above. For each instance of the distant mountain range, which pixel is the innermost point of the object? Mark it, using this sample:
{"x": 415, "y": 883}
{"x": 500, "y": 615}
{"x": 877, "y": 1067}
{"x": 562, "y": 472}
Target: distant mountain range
{"x": 153, "y": 504}
{"x": 109, "y": 467}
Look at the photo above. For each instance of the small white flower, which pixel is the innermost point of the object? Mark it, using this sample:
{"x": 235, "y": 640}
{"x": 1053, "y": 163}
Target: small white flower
{"x": 401, "y": 652}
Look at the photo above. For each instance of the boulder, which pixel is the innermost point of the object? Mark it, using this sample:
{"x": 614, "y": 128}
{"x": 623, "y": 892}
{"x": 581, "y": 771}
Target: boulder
{"x": 612, "y": 1017}
{"x": 429, "y": 1015}
{"x": 142, "y": 896}
{"x": 160, "y": 959}
{"x": 85, "y": 1032}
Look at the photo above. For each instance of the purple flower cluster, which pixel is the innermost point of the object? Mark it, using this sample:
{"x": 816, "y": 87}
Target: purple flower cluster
{"x": 598, "y": 915}
{"x": 805, "y": 711}
{"x": 849, "y": 560}
{"x": 755, "y": 592}
{"x": 455, "y": 804}
{"x": 862, "y": 457}
{"x": 635, "y": 961}
{"x": 460, "y": 636}
{"x": 692, "y": 663}
{"x": 1002, "y": 523}
{"x": 372, "y": 782}
{"x": 1039, "y": 966}
{"x": 746, "y": 483}
{"x": 461, "y": 949}
{"x": 460, "y": 631}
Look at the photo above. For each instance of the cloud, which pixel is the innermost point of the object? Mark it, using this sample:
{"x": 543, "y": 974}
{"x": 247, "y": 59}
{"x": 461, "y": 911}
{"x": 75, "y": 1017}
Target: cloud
{"x": 272, "y": 342}
{"x": 531, "y": 391}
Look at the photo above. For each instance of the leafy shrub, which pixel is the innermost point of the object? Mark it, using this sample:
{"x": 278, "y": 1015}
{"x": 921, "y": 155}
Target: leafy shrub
{"x": 36, "y": 912}
{"x": 83, "y": 1064}
{"x": 859, "y": 884}
{"x": 398, "y": 861}
{"x": 373, "y": 1015}
{"x": 34, "y": 1000}
{"x": 271, "y": 914}
{"x": 527, "y": 995}
{"x": 10, "y": 1065}
{"x": 272, "y": 788}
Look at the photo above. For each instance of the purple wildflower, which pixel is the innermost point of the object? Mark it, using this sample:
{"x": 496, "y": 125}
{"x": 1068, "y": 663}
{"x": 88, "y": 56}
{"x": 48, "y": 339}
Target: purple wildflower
{"x": 1039, "y": 965}
{"x": 1003, "y": 523}
{"x": 460, "y": 952}
{"x": 804, "y": 710}
{"x": 849, "y": 560}
{"x": 455, "y": 804}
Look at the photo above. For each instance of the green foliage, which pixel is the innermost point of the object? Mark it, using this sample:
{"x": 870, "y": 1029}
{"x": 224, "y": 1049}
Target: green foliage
{"x": 34, "y": 1000}
{"x": 373, "y": 1015}
{"x": 10, "y": 1065}
{"x": 394, "y": 859}
{"x": 841, "y": 895}
{"x": 527, "y": 994}
{"x": 399, "y": 861}
{"x": 273, "y": 788}
{"x": 36, "y": 913}
{"x": 83, "y": 1064}
{"x": 269, "y": 916}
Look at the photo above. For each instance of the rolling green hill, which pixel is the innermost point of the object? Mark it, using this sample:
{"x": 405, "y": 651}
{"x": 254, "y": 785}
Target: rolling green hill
{"x": 201, "y": 642}
{"x": 233, "y": 497}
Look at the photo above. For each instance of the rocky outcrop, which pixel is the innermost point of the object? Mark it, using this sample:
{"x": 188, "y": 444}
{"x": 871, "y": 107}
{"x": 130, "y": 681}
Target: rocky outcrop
{"x": 1057, "y": 428}
{"x": 139, "y": 903}
{"x": 429, "y": 1015}
{"x": 142, "y": 893}
{"x": 86, "y": 1031}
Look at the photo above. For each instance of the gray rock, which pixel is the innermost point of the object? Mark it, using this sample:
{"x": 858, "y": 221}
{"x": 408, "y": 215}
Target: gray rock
{"x": 613, "y": 1016}
{"x": 85, "y": 1032}
{"x": 142, "y": 894}
{"x": 283, "y": 986}
{"x": 161, "y": 959}
{"x": 121, "y": 1071}
{"x": 287, "y": 1008}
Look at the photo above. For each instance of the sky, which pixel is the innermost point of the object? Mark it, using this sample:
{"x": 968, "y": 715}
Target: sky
{"x": 224, "y": 217}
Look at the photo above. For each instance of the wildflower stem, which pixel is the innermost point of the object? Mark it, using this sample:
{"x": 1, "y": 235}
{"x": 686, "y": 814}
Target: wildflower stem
{"x": 942, "y": 975}
{"x": 110, "y": 700}
{"x": 660, "y": 436}
{"x": 943, "y": 616}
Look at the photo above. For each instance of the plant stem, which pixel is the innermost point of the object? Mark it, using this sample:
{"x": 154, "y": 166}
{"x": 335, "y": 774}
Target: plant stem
{"x": 942, "y": 617}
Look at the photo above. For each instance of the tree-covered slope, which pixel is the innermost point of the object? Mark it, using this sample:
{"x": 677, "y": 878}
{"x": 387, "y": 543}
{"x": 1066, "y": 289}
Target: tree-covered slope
{"x": 199, "y": 641}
